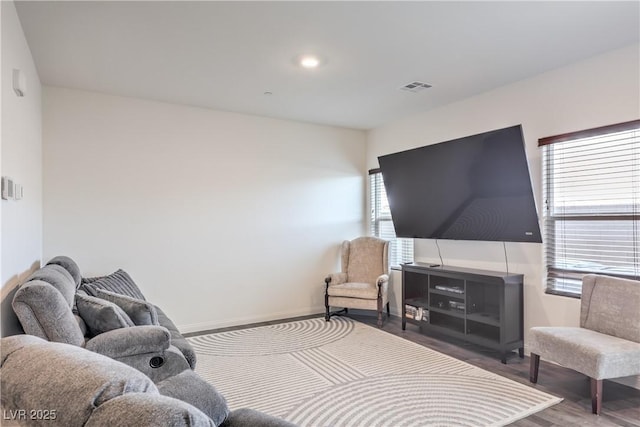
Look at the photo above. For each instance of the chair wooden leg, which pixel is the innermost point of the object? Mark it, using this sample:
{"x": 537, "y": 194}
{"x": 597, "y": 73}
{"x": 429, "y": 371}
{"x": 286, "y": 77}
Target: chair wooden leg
{"x": 379, "y": 311}
{"x": 596, "y": 396}
{"x": 327, "y": 316}
{"x": 388, "y": 310}
{"x": 534, "y": 365}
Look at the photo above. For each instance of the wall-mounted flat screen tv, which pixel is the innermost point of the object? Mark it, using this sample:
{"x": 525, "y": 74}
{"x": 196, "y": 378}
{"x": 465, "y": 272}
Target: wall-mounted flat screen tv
{"x": 472, "y": 188}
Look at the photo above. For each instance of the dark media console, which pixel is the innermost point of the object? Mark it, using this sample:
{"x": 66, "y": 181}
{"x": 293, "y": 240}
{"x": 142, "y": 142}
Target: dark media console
{"x": 479, "y": 306}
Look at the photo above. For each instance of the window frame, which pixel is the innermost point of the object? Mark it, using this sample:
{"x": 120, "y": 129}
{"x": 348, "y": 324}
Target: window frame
{"x": 400, "y": 249}
{"x": 572, "y": 277}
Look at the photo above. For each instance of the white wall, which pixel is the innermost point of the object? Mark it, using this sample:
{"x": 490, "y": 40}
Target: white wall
{"x": 599, "y": 91}
{"x": 21, "y": 159}
{"x": 221, "y": 218}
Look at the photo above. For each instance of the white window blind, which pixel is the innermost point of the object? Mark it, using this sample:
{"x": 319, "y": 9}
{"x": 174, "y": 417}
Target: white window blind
{"x": 401, "y": 250}
{"x": 592, "y": 205}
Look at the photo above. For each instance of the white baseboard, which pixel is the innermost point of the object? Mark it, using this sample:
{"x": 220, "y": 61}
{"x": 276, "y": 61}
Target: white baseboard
{"x": 247, "y": 320}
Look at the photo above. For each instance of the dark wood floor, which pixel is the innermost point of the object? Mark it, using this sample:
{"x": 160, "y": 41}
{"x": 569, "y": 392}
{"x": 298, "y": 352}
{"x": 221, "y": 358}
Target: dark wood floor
{"x": 620, "y": 406}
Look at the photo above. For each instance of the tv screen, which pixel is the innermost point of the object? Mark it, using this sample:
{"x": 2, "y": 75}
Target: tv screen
{"x": 471, "y": 188}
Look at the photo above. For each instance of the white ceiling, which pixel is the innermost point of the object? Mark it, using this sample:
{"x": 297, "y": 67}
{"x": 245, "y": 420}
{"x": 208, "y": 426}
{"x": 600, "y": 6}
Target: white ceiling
{"x": 225, "y": 55}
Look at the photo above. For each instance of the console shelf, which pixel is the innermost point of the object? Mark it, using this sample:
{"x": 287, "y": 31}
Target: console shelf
{"x": 479, "y": 306}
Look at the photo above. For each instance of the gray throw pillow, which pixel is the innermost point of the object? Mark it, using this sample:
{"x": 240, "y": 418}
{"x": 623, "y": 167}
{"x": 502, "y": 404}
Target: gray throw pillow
{"x": 139, "y": 311}
{"x": 119, "y": 282}
{"x": 100, "y": 315}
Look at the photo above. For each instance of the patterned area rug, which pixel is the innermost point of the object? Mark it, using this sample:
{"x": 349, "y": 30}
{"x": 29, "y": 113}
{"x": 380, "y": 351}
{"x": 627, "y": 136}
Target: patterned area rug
{"x": 345, "y": 373}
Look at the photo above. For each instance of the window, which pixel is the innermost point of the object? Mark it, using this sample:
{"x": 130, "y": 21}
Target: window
{"x": 592, "y": 205}
{"x": 401, "y": 250}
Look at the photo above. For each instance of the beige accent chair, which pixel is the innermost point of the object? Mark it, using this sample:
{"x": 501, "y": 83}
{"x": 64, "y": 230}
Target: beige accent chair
{"x": 607, "y": 343}
{"x": 364, "y": 279}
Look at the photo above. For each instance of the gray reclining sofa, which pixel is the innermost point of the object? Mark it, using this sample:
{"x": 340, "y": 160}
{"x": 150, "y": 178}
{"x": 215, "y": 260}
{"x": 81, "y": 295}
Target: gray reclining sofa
{"x": 97, "y": 353}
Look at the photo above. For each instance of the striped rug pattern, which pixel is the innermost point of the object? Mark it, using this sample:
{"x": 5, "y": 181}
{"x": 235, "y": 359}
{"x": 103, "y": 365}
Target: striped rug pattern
{"x": 345, "y": 373}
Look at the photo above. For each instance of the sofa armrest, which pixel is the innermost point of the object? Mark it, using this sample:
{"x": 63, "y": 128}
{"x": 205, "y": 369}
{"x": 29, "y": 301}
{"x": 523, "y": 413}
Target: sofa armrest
{"x": 158, "y": 365}
{"x": 146, "y": 348}
{"x": 176, "y": 337}
{"x": 132, "y": 341}
{"x": 66, "y": 381}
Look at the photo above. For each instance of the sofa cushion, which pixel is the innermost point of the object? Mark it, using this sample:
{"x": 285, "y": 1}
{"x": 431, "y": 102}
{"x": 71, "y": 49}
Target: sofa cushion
{"x": 354, "y": 290}
{"x": 59, "y": 278}
{"x": 100, "y": 315}
{"x": 592, "y": 353}
{"x": 145, "y": 409}
{"x": 69, "y": 265}
{"x": 119, "y": 282}
{"x": 44, "y": 312}
{"x": 70, "y": 380}
{"x": 139, "y": 311}
{"x": 357, "y": 303}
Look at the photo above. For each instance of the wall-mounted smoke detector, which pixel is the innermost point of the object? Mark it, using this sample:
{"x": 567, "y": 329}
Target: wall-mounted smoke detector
{"x": 415, "y": 86}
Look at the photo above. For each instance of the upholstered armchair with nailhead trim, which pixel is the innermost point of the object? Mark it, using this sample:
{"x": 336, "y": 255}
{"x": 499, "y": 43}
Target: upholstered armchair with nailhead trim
{"x": 364, "y": 279}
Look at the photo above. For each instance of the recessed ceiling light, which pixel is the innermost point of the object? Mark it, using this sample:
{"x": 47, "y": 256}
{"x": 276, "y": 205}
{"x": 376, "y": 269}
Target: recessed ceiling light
{"x": 309, "y": 61}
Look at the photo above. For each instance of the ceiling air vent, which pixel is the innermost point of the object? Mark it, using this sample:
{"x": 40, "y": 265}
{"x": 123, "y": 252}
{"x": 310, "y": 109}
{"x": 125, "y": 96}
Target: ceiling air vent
{"x": 415, "y": 86}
